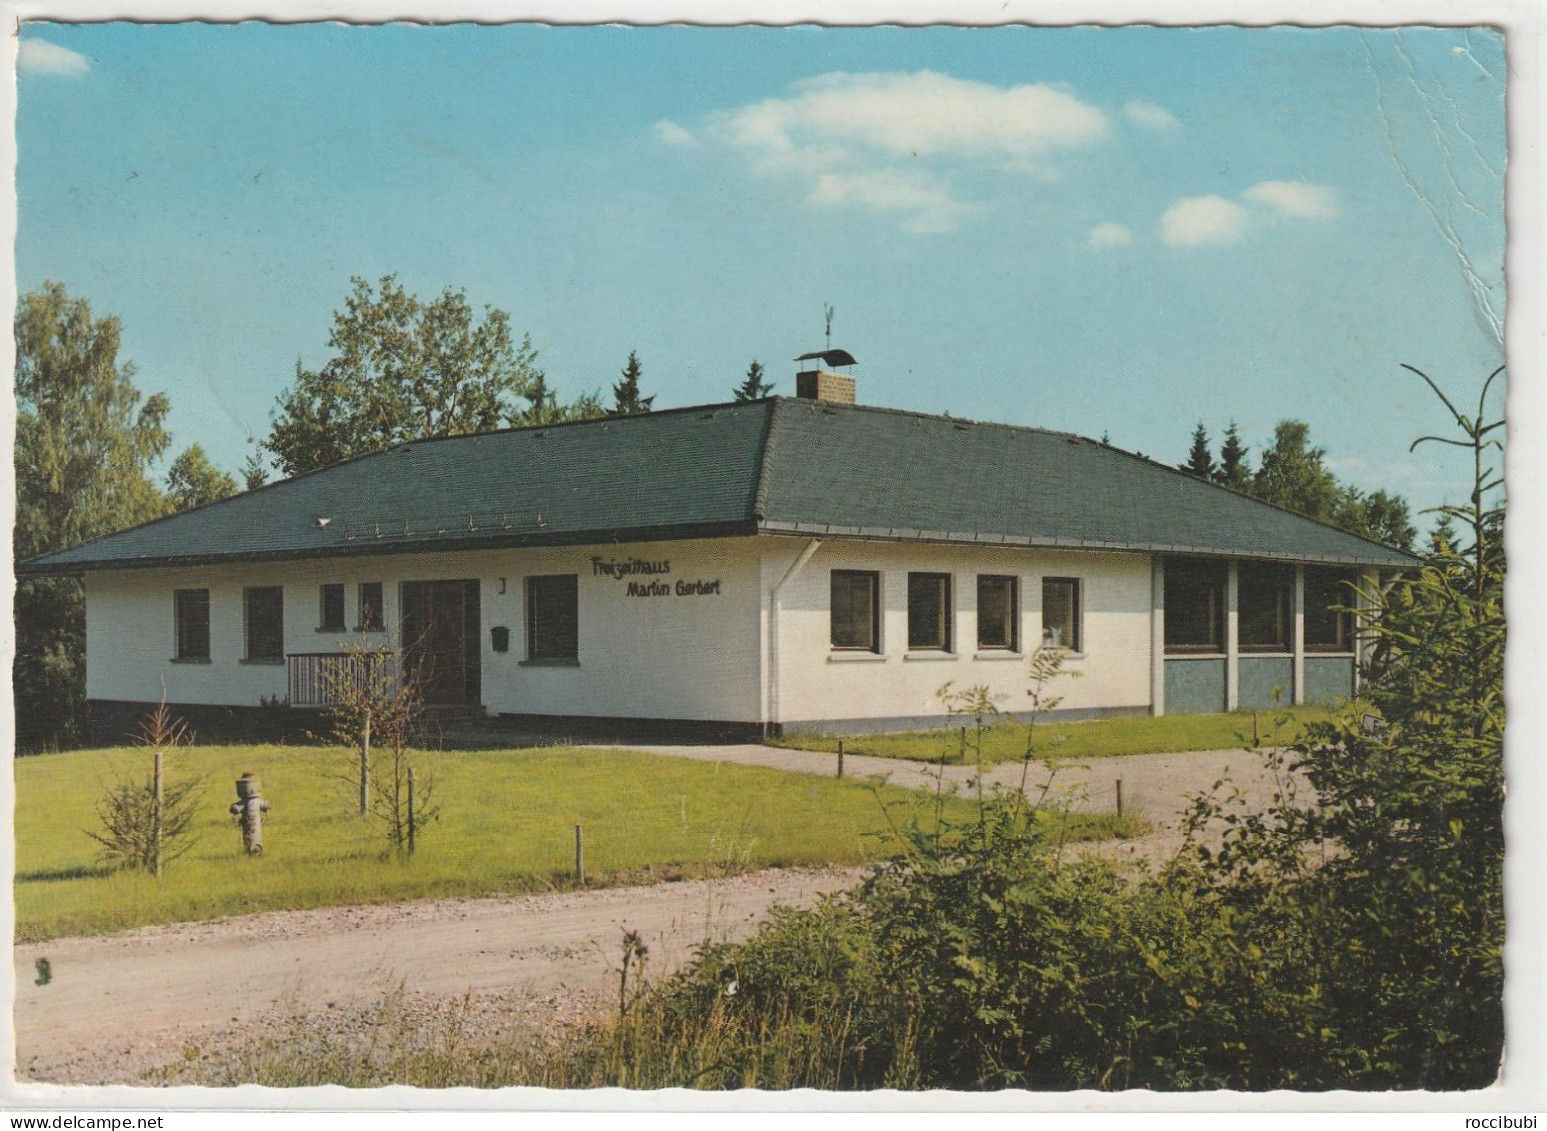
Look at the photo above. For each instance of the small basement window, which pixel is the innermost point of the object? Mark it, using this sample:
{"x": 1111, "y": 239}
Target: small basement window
{"x": 1195, "y": 606}
{"x": 1329, "y": 601}
{"x": 332, "y": 611}
{"x": 190, "y": 613}
{"x": 1061, "y": 613}
{"x": 553, "y": 618}
{"x": 929, "y": 612}
{"x": 372, "y": 612}
{"x": 1266, "y": 603}
{"x": 999, "y": 613}
{"x": 855, "y": 610}
{"x": 265, "y": 623}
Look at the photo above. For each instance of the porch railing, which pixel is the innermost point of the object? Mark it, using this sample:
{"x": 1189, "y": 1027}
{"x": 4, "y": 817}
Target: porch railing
{"x": 316, "y": 678}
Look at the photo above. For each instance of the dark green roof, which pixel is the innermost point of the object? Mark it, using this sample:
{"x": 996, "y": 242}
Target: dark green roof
{"x": 778, "y": 466}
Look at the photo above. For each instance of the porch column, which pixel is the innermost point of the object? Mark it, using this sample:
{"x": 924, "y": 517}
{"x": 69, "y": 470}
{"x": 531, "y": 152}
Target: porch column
{"x": 1232, "y": 650}
{"x": 1367, "y": 581}
{"x": 1299, "y": 636}
{"x": 1157, "y": 635}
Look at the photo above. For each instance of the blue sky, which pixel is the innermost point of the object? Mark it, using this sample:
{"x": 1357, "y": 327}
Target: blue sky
{"x": 1117, "y": 231}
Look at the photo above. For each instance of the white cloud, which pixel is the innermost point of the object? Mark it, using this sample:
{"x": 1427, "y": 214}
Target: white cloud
{"x": 1152, "y": 116}
{"x": 928, "y": 114}
{"x": 44, "y": 58}
{"x": 888, "y": 141}
{"x": 1215, "y": 220}
{"x": 1296, "y": 198}
{"x": 673, "y": 134}
{"x": 924, "y": 200}
{"x": 1203, "y": 220}
{"x": 1109, "y": 235}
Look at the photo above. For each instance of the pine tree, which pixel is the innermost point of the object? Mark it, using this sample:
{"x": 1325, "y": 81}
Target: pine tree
{"x": 625, "y": 393}
{"x": 255, "y": 472}
{"x": 754, "y": 387}
{"x": 544, "y": 407}
{"x": 1233, "y": 470}
{"x": 1443, "y": 538}
{"x": 1200, "y": 462}
{"x": 542, "y": 402}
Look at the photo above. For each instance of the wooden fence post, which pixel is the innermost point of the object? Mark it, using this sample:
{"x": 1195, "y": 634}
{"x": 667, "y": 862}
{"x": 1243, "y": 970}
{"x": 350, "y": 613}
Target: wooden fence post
{"x": 410, "y": 810}
{"x": 365, "y": 763}
{"x": 157, "y": 831}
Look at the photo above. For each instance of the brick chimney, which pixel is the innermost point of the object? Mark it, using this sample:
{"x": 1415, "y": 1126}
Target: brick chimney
{"x": 823, "y": 385}
{"x": 820, "y": 385}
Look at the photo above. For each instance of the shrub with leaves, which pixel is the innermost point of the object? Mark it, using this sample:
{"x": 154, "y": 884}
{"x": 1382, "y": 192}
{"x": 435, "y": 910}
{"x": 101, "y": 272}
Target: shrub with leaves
{"x": 1388, "y": 890}
{"x": 402, "y": 800}
{"x": 377, "y": 711}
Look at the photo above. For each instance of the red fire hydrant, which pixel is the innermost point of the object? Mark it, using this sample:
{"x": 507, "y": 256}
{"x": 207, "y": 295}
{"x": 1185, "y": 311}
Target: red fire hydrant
{"x": 248, "y": 809}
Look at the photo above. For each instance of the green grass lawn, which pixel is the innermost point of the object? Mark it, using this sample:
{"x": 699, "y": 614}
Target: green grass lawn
{"x": 507, "y": 825}
{"x": 1098, "y": 738}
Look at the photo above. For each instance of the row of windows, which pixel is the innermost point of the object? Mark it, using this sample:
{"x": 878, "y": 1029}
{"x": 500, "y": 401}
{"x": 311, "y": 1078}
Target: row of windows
{"x": 1194, "y": 622}
{"x": 263, "y": 619}
{"x": 1195, "y": 607}
{"x": 856, "y": 612}
{"x": 552, "y": 611}
{"x": 370, "y": 615}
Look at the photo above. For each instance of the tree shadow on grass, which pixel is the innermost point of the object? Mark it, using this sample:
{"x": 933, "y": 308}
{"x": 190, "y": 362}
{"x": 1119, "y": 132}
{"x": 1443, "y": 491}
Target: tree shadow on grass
{"x": 80, "y": 872}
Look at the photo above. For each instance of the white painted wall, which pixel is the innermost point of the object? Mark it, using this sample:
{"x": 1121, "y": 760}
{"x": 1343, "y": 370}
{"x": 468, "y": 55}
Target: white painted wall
{"x": 668, "y": 657}
{"x": 684, "y": 657}
{"x": 818, "y": 683}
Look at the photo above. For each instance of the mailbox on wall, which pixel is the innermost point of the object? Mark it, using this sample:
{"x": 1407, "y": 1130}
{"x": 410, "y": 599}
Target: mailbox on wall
{"x": 499, "y": 637}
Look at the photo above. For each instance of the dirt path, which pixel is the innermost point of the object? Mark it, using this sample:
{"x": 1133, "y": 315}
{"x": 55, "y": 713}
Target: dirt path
{"x": 1155, "y": 785}
{"x": 118, "y": 1005}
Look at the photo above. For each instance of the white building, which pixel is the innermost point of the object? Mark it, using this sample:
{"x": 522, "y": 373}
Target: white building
{"x": 727, "y": 572}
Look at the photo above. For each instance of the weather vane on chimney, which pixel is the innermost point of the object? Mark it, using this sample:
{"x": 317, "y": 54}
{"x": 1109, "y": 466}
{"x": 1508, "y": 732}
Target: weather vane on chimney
{"x": 827, "y": 309}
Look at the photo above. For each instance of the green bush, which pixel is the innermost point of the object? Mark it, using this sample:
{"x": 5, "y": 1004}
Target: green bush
{"x": 1353, "y": 941}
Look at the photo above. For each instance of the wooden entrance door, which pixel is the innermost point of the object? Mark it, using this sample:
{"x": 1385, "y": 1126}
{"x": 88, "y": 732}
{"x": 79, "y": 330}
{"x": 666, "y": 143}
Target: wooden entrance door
{"x": 440, "y": 640}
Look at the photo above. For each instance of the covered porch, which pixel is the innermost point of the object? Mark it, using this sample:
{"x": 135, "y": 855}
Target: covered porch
{"x": 1231, "y": 634}
{"x": 437, "y": 647}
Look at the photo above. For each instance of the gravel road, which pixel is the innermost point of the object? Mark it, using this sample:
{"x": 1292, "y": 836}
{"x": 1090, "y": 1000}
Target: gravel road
{"x": 120, "y": 1005}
